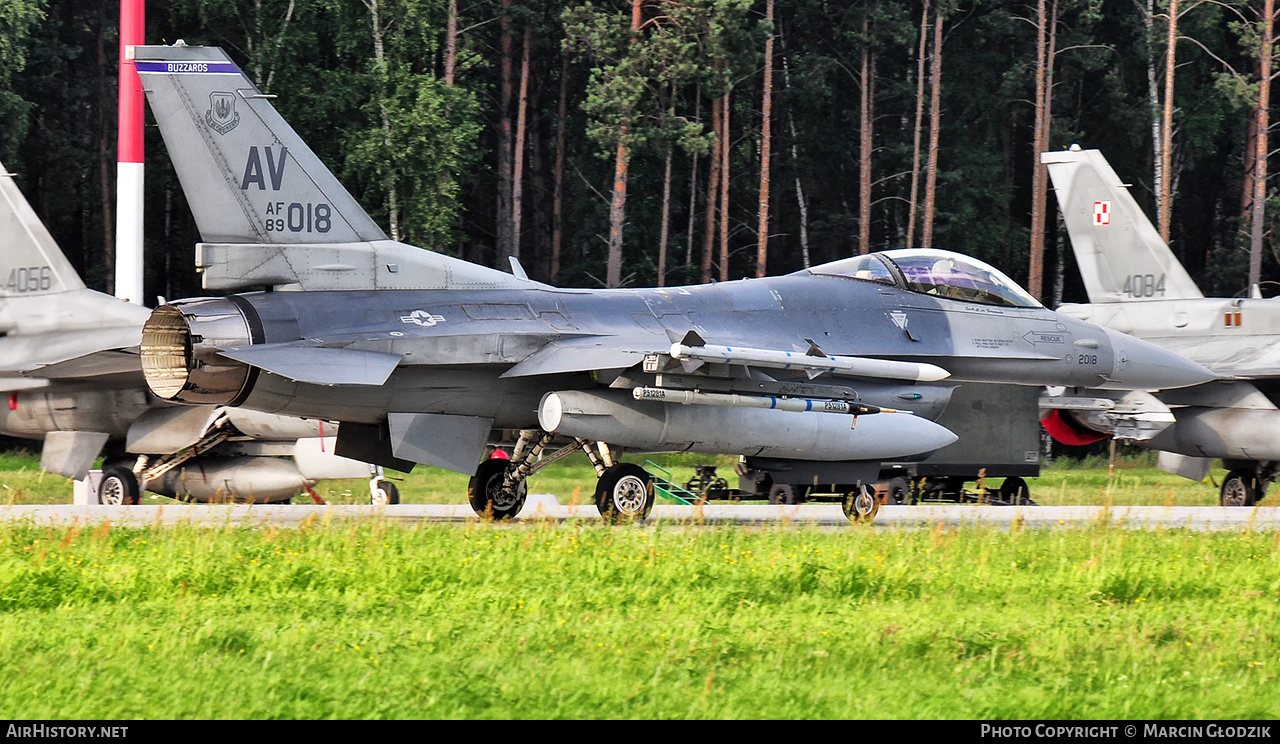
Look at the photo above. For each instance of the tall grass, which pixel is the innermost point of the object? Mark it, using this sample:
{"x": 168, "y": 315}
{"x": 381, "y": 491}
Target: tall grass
{"x": 581, "y": 620}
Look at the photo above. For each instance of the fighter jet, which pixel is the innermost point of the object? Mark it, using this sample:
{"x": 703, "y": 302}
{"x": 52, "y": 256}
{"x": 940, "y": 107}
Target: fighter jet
{"x": 70, "y": 368}
{"x": 812, "y": 377}
{"x": 1136, "y": 285}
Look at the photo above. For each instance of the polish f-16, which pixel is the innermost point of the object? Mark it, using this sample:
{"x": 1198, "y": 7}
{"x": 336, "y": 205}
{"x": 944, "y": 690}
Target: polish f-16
{"x": 812, "y": 377}
{"x": 1136, "y": 285}
{"x": 69, "y": 368}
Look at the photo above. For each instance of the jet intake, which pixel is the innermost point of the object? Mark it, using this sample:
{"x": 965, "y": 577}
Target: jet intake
{"x": 1135, "y": 415}
{"x": 657, "y": 426}
{"x": 180, "y": 359}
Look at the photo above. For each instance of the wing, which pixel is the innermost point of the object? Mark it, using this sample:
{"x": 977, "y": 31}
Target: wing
{"x": 318, "y": 365}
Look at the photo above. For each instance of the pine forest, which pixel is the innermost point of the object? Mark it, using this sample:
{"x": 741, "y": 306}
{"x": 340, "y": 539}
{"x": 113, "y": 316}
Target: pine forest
{"x": 637, "y": 143}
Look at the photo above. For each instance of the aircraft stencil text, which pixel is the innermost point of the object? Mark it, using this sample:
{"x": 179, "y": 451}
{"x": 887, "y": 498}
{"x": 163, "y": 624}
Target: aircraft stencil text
{"x": 256, "y": 175}
{"x": 1143, "y": 285}
{"x": 296, "y": 217}
{"x": 29, "y": 279}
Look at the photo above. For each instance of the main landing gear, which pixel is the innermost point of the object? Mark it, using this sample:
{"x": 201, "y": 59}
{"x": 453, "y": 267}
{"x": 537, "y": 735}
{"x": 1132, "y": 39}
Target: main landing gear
{"x": 1246, "y": 482}
{"x": 624, "y": 492}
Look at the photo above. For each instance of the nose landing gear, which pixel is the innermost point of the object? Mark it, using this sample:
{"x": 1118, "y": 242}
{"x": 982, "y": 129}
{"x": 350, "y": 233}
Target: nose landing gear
{"x": 860, "y": 505}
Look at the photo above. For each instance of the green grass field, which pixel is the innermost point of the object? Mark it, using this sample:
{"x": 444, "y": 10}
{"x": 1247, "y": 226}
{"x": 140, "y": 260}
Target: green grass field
{"x": 580, "y": 620}
{"x": 584, "y": 620}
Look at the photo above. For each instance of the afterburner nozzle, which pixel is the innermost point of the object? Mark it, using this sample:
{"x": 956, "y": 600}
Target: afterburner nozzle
{"x": 180, "y": 359}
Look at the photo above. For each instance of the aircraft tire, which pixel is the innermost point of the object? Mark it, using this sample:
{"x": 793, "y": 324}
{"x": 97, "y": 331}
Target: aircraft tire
{"x": 897, "y": 492}
{"x": 385, "y": 494}
{"x": 1238, "y": 489}
{"x": 119, "y": 487}
{"x": 1015, "y": 491}
{"x": 624, "y": 493}
{"x": 860, "y": 505}
{"x": 483, "y": 491}
{"x": 783, "y": 493}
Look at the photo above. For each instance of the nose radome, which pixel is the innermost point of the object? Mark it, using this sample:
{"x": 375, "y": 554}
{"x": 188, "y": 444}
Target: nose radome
{"x": 1141, "y": 365}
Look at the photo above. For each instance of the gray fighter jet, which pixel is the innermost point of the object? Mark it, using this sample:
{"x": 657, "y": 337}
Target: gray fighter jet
{"x": 813, "y": 376}
{"x": 70, "y": 368}
{"x": 1136, "y": 285}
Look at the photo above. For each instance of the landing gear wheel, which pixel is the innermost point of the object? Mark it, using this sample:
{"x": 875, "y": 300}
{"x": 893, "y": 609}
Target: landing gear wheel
{"x": 1015, "y": 491}
{"x": 624, "y": 493}
{"x": 119, "y": 487}
{"x": 860, "y": 505}
{"x": 897, "y": 492}
{"x": 384, "y": 493}
{"x": 485, "y": 494}
{"x": 1239, "y": 489}
{"x": 783, "y": 493}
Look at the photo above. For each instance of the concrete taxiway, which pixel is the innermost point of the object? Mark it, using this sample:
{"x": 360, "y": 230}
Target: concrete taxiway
{"x": 545, "y": 508}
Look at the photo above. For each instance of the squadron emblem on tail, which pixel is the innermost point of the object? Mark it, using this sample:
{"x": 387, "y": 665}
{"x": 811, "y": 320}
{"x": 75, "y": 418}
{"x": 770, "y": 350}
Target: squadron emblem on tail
{"x": 222, "y": 116}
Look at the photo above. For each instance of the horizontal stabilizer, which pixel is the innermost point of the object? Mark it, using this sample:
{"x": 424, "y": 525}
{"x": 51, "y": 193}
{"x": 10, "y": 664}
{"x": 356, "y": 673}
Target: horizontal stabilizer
{"x": 32, "y": 353}
{"x": 317, "y": 365}
{"x": 96, "y": 365}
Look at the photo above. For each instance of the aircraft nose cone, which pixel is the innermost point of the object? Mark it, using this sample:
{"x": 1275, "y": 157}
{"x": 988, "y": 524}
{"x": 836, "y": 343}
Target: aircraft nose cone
{"x": 1141, "y": 365}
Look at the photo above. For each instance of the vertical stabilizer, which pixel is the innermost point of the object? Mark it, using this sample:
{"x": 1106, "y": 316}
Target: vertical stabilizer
{"x": 1119, "y": 251}
{"x": 30, "y": 262}
{"x": 250, "y": 177}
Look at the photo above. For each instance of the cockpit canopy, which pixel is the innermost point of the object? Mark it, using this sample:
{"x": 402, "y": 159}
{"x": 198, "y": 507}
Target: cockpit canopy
{"x": 932, "y": 272}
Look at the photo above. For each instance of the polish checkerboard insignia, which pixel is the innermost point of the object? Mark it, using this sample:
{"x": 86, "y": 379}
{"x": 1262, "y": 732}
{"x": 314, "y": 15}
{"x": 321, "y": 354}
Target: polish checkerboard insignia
{"x": 1102, "y": 213}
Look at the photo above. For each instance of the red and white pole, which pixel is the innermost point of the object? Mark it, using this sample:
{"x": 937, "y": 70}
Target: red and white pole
{"x": 129, "y": 164}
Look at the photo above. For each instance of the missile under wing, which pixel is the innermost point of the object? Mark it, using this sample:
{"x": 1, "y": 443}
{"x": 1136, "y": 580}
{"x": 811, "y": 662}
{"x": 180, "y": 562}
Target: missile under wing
{"x": 1137, "y": 285}
{"x": 422, "y": 356}
{"x": 70, "y": 368}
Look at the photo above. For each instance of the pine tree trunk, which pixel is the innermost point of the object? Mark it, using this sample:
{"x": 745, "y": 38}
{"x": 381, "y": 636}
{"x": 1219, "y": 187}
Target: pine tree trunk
{"x": 1153, "y": 95}
{"x": 724, "y": 192}
{"x": 802, "y": 204}
{"x": 1261, "y": 145}
{"x": 1166, "y": 143}
{"x": 935, "y": 117}
{"x": 558, "y": 199}
{"x": 505, "y": 174}
{"x": 105, "y": 134}
{"x": 915, "y": 145}
{"x": 1035, "y": 271}
{"x": 380, "y": 59}
{"x": 451, "y": 43}
{"x": 693, "y": 184}
{"x": 517, "y": 182}
{"x": 618, "y": 205}
{"x": 766, "y": 133}
{"x": 864, "y": 148}
{"x": 666, "y": 223}
{"x": 713, "y": 190}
